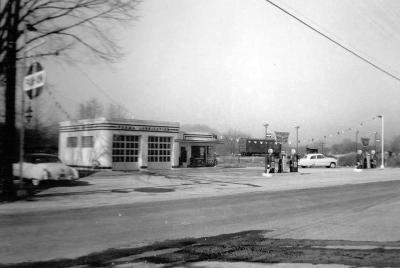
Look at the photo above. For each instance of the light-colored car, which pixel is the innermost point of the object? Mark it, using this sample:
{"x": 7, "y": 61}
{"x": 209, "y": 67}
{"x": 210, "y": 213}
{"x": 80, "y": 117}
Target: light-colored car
{"x": 39, "y": 167}
{"x": 317, "y": 160}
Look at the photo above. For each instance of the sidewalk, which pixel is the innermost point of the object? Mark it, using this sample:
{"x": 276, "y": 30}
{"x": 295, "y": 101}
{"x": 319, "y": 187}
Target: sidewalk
{"x": 112, "y": 188}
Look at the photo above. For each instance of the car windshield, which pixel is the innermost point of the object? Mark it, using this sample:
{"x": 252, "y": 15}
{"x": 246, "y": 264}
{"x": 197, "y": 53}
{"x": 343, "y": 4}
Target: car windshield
{"x": 38, "y": 159}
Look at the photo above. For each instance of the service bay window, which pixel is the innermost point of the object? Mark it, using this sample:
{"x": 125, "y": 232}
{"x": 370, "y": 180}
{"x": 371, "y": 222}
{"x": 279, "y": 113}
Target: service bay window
{"x": 87, "y": 141}
{"x": 72, "y": 142}
{"x": 125, "y": 148}
{"x": 159, "y": 149}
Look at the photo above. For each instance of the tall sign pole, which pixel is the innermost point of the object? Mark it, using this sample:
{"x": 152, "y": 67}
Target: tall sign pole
{"x": 10, "y": 141}
{"x": 22, "y": 133}
{"x": 357, "y": 139}
{"x": 266, "y": 146}
{"x": 383, "y": 142}
{"x": 297, "y": 139}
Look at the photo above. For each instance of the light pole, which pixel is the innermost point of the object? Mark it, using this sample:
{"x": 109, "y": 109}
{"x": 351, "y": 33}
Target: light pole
{"x": 382, "y": 143}
{"x": 25, "y": 115}
{"x": 297, "y": 138}
{"x": 22, "y": 133}
{"x": 266, "y": 146}
{"x": 375, "y": 138}
{"x": 357, "y": 139}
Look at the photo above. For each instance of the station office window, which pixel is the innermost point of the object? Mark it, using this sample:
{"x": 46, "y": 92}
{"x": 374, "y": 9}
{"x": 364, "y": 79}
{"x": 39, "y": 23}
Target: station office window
{"x": 87, "y": 141}
{"x": 159, "y": 149}
{"x": 72, "y": 142}
{"x": 125, "y": 148}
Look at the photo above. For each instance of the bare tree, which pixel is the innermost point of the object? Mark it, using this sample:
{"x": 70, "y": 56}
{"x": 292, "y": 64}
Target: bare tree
{"x": 117, "y": 111}
{"x": 198, "y": 128}
{"x": 90, "y": 109}
{"x": 231, "y": 141}
{"x": 395, "y": 144}
{"x": 63, "y": 25}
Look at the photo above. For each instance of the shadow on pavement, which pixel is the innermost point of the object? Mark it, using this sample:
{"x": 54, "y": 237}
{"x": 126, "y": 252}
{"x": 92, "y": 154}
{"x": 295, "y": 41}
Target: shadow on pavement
{"x": 246, "y": 246}
{"x": 51, "y": 184}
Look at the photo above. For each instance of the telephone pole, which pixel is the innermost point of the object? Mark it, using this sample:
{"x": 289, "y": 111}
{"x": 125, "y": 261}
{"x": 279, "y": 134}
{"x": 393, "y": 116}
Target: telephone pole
{"x": 382, "y": 142}
{"x": 10, "y": 132}
{"x": 266, "y": 147}
{"x": 322, "y": 147}
{"x": 297, "y": 138}
{"x": 357, "y": 139}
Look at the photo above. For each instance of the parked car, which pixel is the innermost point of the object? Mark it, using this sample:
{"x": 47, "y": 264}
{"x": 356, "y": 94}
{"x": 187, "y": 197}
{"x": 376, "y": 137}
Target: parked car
{"x": 38, "y": 167}
{"x": 317, "y": 160}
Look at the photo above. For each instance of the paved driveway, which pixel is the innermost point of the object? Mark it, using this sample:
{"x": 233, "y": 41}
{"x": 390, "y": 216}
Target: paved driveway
{"x": 110, "y": 188}
{"x": 113, "y": 209}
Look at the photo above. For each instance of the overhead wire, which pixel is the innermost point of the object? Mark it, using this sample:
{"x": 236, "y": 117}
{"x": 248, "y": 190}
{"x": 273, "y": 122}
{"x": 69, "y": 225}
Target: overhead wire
{"x": 381, "y": 69}
{"x": 100, "y": 89}
{"x": 340, "y": 133}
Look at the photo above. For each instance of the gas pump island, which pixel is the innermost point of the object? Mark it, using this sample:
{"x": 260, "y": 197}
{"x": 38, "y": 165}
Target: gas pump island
{"x": 364, "y": 159}
{"x": 278, "y": 161}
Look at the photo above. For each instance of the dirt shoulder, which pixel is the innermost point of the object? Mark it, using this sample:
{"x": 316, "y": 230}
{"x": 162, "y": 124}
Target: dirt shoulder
{"x": 249, "y": 246}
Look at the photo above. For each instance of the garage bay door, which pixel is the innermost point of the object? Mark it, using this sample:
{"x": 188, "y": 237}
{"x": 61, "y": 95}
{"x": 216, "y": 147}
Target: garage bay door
{"x": 125, "y": 151}
{"x": 159, "y": 152}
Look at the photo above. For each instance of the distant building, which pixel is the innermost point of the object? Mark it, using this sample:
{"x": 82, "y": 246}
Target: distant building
{"x": 131, "y": 144}
{"x": 198, "y": 149}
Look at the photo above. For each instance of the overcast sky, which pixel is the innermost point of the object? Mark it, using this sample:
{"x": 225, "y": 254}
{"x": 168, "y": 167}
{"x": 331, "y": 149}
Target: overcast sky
{"x": 241, "y": 63}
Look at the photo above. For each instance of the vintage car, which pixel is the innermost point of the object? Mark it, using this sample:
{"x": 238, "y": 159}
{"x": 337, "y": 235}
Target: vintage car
{"x": 317, "y": 160}
{"x": 38, "y": 167}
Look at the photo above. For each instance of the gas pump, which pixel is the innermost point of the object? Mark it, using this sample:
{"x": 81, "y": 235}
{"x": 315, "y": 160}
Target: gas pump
{"x": 274, "y": 164}
{"x": 365, "y": 160}
{"x": 285, "y": 167}
{"x": 359, "y": 159}
{"x": 373, "y": 159}
{"x": 280, "y": 163}
{"x": 269, "y": 157}
{"x": 293, "y": 161}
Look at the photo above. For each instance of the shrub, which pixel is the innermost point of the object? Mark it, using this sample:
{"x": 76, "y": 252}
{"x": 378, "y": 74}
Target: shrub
{"x": 349, "y": 159}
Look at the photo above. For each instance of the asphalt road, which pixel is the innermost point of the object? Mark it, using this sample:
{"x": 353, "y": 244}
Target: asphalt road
{"x": 322, "y": 212}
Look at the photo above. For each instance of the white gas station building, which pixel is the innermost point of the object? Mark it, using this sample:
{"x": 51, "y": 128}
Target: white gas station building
{"x": 131, "y": 144}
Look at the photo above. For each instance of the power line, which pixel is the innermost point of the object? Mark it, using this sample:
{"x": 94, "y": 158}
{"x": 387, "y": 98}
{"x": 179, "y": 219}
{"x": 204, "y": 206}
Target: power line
{"x": 58, "y": 105}
{"x": 334, "y": 41}
{"x": 102, "y": 90}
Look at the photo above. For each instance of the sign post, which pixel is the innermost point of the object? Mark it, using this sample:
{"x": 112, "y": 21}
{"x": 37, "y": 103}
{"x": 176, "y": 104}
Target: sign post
{"x": 266, "y": 148}
{"x": 33, "y": 84}
{"x": 34, "y": 80}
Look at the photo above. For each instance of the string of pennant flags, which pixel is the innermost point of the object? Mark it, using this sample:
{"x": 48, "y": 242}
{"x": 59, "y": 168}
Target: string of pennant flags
{"x": 283, "y": 137}
{"x": 58, "y": 105}
{"x": 339, "y": 132}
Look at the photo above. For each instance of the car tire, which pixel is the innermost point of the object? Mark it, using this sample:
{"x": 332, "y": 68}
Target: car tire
{"x": 30, "y": 187}
{"x": 332, "y": 165}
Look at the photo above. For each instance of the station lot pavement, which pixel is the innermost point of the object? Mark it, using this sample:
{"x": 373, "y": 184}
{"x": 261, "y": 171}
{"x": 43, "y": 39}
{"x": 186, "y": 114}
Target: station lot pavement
{"x": 113, "y": 187}
{"x": 352, "y": 219}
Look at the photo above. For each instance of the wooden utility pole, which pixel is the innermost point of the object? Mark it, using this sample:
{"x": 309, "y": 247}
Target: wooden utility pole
{"x": 10, "y": 132}
{"x": 266, "y": 147}
{"x": 357, "y": 139}
{"x": 297, "y": 139}
{"x": 322, "y": 147}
